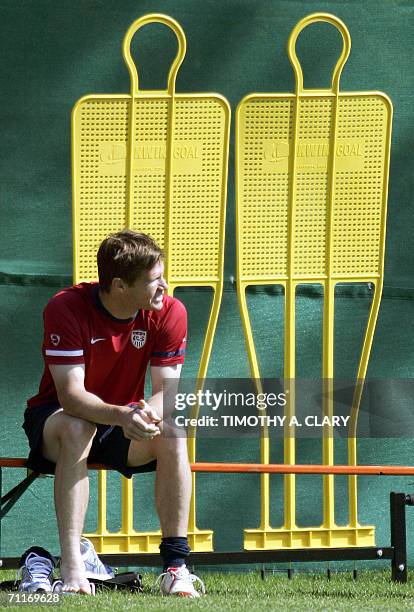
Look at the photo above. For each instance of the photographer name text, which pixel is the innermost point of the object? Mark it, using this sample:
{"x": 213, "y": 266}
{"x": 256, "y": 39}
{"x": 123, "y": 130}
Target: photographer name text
{"x": 261, "y": 420}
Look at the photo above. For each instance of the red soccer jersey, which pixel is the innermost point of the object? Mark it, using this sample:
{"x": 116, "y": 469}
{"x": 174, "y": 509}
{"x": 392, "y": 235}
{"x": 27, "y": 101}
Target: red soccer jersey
{"x": 115, "y": 352}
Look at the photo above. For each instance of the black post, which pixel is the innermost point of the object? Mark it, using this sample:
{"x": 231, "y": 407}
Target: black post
{"x": 398, "y": 537}
{"x": 1, "y": 495}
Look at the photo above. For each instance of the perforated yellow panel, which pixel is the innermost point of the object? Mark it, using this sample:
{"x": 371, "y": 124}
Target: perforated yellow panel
{"x": 98, "y": 197}
{"x": 195, "y": 209}
{"x": 262, "y": 195}
{"x": 101, "y": 134}
{"x": 155, "y": 162}
{"x": 360, "y": 193}
{"x": 265, "y": 141}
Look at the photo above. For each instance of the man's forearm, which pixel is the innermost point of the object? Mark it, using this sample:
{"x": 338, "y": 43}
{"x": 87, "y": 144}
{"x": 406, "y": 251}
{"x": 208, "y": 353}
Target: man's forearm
{"x": 86, "y": 405}
{"x": 156, "y": 402}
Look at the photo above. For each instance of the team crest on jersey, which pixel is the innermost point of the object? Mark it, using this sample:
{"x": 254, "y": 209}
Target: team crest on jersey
{"x": 55, "y": 339}
{"x": 138, "y": 338}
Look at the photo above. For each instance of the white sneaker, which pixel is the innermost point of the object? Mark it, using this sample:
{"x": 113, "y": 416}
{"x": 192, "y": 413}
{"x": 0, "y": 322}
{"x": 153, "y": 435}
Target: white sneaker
{"x": 179, "y": 581}
{"x": 36, "y": 572}
{"x": 94, "y": 568}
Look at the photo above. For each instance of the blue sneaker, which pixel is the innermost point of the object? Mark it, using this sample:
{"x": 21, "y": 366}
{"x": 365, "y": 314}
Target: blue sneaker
{"x": 93, "y": 565}
{"x": 36, "y": 571}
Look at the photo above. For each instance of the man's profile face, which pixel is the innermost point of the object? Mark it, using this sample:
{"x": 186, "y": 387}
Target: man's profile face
{"x": 148, "y": 289}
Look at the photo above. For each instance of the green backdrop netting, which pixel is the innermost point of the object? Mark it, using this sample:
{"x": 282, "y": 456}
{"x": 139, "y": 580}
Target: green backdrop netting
{"x": 55, "y": 52}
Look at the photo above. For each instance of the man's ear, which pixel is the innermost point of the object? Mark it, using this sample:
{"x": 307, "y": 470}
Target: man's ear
{"x": 117, "y": 284}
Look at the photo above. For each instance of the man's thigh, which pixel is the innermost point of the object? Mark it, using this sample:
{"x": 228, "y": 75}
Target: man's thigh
{"x": 34, "y": 422}
{"x": 140, "y": 453}
{"x": 111, "y": 448}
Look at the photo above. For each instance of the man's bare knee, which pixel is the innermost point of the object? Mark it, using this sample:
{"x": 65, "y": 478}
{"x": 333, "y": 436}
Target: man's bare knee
{"x": 63, "y": 432}
{"x": 170, "y": 446}
{"x": 76, "y": 431}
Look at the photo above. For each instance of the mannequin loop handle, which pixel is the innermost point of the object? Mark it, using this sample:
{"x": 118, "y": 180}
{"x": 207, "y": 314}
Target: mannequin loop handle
{"x": 126, "y": 48}
{"x": 346, "y": 39}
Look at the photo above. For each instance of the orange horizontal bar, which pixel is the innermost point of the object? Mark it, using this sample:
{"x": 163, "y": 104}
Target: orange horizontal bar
{"x": 18, "y": 462}
{"x": 259, "y": 468}
{"x": 271, "y": 468}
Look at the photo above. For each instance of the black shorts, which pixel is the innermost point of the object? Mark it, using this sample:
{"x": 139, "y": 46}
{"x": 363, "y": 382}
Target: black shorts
{"x": 109, "y": 447}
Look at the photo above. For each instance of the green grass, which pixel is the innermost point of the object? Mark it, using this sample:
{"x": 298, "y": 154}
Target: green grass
{"x": 247, "y": 592}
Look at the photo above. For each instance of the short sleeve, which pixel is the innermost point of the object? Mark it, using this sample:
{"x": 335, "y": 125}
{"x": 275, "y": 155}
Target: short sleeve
{"x": 62, "y": 343}
{"x": 171, "y": 338}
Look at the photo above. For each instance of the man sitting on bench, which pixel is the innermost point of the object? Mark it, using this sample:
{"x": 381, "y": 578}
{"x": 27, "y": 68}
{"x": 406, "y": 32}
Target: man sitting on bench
{"x": 98, "y": 341}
